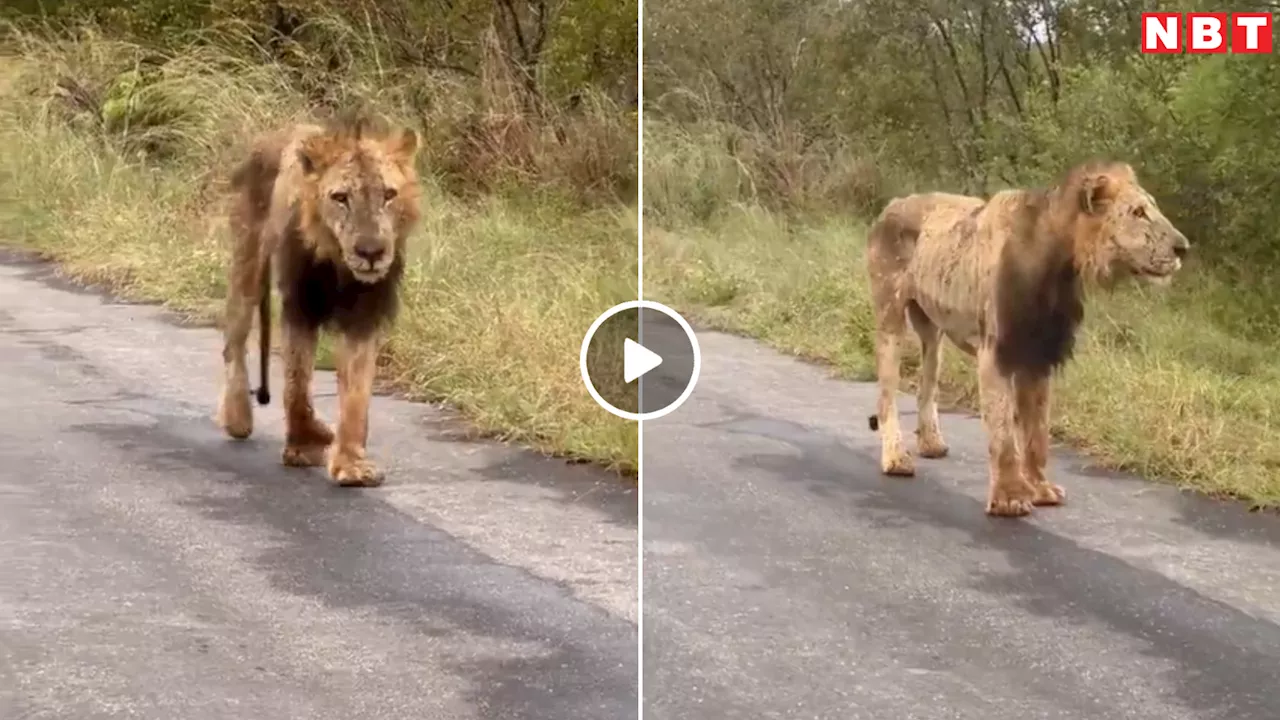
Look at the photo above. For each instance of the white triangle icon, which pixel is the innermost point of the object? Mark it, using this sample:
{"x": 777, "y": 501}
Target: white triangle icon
{"x": 637, "y": 360}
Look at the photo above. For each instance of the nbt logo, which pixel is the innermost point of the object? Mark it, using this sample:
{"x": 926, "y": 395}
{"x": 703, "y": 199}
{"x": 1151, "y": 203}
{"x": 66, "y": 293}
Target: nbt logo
{"x": 1206, "y": 32}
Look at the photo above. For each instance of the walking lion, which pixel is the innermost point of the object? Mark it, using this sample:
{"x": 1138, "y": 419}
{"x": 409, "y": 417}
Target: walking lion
{"x": 331, "y": 209}
{"x": 1004, "y": 280}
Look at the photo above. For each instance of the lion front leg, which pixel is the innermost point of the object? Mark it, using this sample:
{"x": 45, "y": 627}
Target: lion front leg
{"x": 1033, "y": 432}
{"x": 306, "y": 438}
{"x": 357, "y": 363}
{"x": 1009, "y": 493}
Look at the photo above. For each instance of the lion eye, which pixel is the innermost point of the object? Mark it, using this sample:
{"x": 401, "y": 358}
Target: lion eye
{"x": 338, "y": 197}
{"x": 1140, "y": 213}
{"x": 389, "y": 194}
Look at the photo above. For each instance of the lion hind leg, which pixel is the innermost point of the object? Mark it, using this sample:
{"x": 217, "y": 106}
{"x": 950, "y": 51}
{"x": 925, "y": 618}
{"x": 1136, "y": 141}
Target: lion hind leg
{"x": 349, "y": 464}
{"x": 890, "y": 332}
{"x": 890, "y": 246}
{"x": 929, "y": 442}
{"x": 235, "y": 412}
{"x": 306, "y": 437}
{"x": 1033, "y": 433}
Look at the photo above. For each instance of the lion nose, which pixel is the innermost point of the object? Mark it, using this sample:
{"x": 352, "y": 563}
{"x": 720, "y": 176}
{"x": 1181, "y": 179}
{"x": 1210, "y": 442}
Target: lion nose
{"x": 1181, "y": 246}
{"x": 370, "y": 251}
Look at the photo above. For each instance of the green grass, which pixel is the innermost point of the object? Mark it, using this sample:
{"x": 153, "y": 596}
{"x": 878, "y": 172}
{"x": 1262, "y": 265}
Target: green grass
{"x": 1156, "y": 387}
{"x": 499, "y": 289}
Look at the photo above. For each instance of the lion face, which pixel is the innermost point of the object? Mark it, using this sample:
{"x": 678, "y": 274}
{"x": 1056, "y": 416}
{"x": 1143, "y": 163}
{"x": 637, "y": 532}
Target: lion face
{"x": 365, "y": 197}
{"x": 1137, "y": 238}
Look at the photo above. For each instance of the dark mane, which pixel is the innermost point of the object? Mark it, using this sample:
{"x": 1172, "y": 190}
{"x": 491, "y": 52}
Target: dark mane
{"x": 1039, "y": 294}
{"x": 316, "y": 292}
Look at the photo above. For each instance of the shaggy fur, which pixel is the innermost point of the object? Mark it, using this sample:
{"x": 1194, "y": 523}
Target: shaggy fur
{"x": 1004, "y": 280}
{"x": 331, "y": 208}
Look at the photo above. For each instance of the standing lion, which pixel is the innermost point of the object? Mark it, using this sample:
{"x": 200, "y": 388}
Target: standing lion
{"x": 331, "y": 208}
{"x": 1004, "y": 279}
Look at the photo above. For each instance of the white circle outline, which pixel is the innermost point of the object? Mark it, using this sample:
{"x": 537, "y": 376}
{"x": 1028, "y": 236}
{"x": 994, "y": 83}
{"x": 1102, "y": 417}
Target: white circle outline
{"x": 640, "y": 304}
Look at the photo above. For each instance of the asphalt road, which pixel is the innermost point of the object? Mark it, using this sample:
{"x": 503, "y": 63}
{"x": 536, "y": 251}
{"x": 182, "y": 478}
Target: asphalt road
{"x": 151, "y": 568}
{"x": 784, "y": 577}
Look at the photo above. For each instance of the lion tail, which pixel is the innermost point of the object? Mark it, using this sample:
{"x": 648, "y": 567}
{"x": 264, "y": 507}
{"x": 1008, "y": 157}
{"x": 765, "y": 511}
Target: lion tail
{"x": 264, "y": 334}
{"x": 873, "y": 421}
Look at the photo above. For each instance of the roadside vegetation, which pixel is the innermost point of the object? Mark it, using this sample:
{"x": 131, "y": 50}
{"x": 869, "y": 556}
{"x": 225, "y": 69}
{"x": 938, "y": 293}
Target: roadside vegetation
{"x": 770, "y": 147}
{"x": 121, "y": 121}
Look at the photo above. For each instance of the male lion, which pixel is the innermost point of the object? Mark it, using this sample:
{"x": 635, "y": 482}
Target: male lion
{"x": 1003, "y": 279}
{"x": 332, "y": 209}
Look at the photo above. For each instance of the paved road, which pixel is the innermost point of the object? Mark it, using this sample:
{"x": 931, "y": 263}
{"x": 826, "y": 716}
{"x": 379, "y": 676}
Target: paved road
{"x": 149, "y": 568}
{"x": 785, "y": 578}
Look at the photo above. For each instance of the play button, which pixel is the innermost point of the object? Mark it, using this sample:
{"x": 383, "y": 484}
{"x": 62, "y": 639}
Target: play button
{"x": 637, "y": 360}
{"x": 640, "y": 360}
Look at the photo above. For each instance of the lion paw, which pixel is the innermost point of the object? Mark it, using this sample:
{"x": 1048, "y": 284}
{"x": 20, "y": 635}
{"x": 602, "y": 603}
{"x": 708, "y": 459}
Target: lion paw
{"x": 1002, "y": 502}
{"x": 306, "y": 446}
{"x": 899, "y": 464}
{"x": 932, "y": 447}
{"x": 1048, "y": 493}
{"x": 235, "y": 414}
{"x": 303, "y": 455}
{"x": 315, "y": 432}
{"x": 354, "y": 472}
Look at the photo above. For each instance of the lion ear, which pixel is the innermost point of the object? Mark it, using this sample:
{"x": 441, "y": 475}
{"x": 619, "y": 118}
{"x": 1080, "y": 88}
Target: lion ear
{"x": 305, "y": 162}
{"x": 404, "y": 145}
{"x": 313, "y": 154}
{"x": 1095, "y": 192}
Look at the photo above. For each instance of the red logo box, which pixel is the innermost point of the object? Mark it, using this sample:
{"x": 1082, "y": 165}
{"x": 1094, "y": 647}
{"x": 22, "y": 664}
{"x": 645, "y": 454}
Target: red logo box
{"x": 1244, "y": 37}
{"x": 1206, "y": 33}
{"x": 1162, "y": 33}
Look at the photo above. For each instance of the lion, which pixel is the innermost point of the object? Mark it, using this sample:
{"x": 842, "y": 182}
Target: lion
{"x": 331, "y": 208}
{"x": 1004, "y": 280}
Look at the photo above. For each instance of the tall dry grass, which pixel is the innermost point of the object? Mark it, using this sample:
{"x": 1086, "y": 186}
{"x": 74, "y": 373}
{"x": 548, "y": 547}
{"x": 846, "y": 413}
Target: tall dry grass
{"x": 693, "y": 172}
